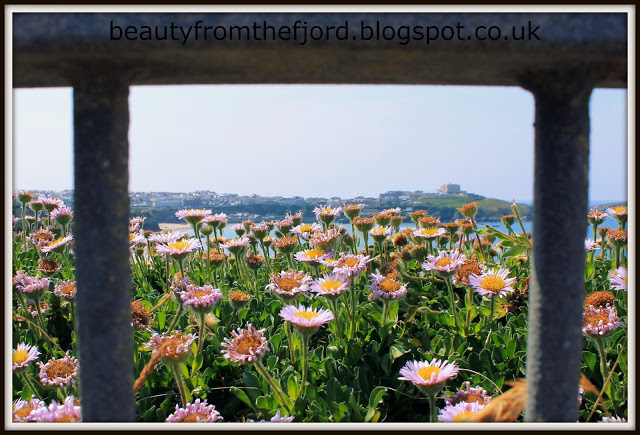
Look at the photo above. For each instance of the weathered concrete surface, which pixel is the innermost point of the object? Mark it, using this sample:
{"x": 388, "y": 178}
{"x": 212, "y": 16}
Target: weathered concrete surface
{"x": 561, "y": 171}
{"x": 103, "y": 274}
{"x": 51, "y": 49}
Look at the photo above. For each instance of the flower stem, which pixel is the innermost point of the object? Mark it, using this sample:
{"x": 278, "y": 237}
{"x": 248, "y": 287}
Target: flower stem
{"x": 175, "y": 319}
{"x": 276, "y": 388}
{"x": 287, "y": 331}
{"x": 202, "y": 332}
{"x": 432, "y": 408}
{"x": 603, "y": 358}
{"x": 385, "y": 309}
{"x": 305, "y": 364}
{"x": 28, "y": 381}
{"x": 352, "y": 331}
{"x": 178, "y": 377}
{"x": 453, "y": 302}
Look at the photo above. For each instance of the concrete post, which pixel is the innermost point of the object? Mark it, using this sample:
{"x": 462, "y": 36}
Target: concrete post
{"x": 101, "y": 201}
{"x": 560, "y": 221}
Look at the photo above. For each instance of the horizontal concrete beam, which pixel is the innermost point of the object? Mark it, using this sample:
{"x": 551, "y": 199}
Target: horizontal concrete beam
{"x": 55, "y": 49}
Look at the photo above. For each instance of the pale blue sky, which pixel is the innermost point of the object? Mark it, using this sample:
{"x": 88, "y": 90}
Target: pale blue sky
{"x": 320, "y": 140}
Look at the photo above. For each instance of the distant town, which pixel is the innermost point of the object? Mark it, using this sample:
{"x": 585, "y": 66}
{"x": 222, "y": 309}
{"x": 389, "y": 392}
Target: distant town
{"x": 207, "y": 198}
{"x": 159, "y": 207}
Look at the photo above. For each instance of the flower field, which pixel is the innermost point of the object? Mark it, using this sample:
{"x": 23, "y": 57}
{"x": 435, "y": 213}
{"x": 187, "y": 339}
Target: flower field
{"x": 292, "y": 321}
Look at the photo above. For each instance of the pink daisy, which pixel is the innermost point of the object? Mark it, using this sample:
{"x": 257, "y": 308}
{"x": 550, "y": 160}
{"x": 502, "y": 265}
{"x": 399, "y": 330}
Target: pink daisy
{"x": 431, "y": 376}
{"x": 66, "y": 413}
{"x": 312, "y": 256}
{"x": 351, "y": 265}
{"x": 62, "y": 215}
{"x": 492, "y": 283}
{"x": 446, "y": 263}
{"x": 59, "y": 372}
{"x": 174, "y": 348}
{"x": 192, "y": 215}
{"x": 459, "y": 412}
{"x": 278, "y": 419}
{"x": 469, "y": 394}
{"x": 306, "y": 319}
{"x": 619, "y": 278}
{"x": 305, "y": 231}
{"x": 200, "y": 298}
{"x": 330, "y": 286}
{"x": 165, "y": 237}
{"x": 326, "y": 241}
{"x": 289, "y": 284}
{"x": 196, "y": 412}
{"x": 57, "y": 245}
{"x": 429, "y": 233}
{"x": 180, "y": 249}
{"x": 246, "y": 346}
{"x": 590, "y": 245}
{"x": 23, "y": 411}
{"x": 22, "y": 355}
{"x": 386, "y": 288}
{"x": 600, "y": 321}
{"x": 236, "y": 246}
{"x": 65, "y": 290}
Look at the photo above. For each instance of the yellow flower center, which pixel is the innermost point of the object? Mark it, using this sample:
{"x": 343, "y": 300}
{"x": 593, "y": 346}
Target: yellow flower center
{"x": 330, "y": 285}
{"x": 59, "y": 369}
{"x": 287, "y": 284}
{"x": 462, "y": 416}
{"x": 429, "y": 231}
{"x": 239, "y": 296}
{"x": 19, "y": 356}
{"x": 65, "y": 419}
{"x": 200, "y": 294}
{"x": 169, "y": 347}
{"x": 23, "y": 412}
{"x": 247, "y": 343}
{"x": 595, "y": 319}
{"x": 193, "y": 418}
{"x": 308, "y": 315}
{"x": 378, "y": 231}
{"x": 56, "y": 241}
{"x": 351, "y": 262}
{"x": 493, "y": 283}
{"x": 327, "y": 210}
{"x": 314, "y": 254}
{"x": 330, "y": 260}
{"x": 445, "y": 261}
{"x": 180, "y": 245}
{"x": 620, "y": 209}
{"x": 389, "y": 286}
{"x": 306, "y": 228}
{"x": 426, "y": 372}
{"x": 68, "y": 289}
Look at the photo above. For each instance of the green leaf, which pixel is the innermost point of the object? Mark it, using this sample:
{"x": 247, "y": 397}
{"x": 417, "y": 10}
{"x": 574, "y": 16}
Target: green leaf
{"x": 292, "y": 387}
{"x": 511, "y": 348}
{"x": 197, "y": 363}
{"x": 397, "y": 350}
{"x": 590, "y": 359}
{"x": 515, "y": 251}
{"x": 160, "y": 319}
{"x": 161, "y": 414}
{"x": 374, "y": 399}
{"x": 334, "y": 390}
{"x": 240, "y": 394}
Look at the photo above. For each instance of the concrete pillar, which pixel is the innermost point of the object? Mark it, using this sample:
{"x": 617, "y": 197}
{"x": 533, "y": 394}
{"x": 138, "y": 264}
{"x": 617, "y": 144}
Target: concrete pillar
{"x": 101, "y": 201}
{"x": 560, "y": 223}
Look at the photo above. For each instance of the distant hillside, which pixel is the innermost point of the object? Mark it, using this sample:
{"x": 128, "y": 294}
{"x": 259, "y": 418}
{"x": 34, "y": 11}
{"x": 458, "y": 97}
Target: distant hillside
{"x": 489, "y": 209}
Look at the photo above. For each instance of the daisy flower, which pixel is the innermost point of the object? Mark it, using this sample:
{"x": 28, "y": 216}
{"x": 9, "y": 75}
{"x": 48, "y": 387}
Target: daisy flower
{"x": 380, "y": 233}
{"x": 327, "y": 214}
{"x": 174, "y": 348}
{"x": 289, "y": 284}
{"x": 429, "y": 233}
{"x": 306, "y": 320}
{"x": 469, "y": 395}
{"x": 446, "y": 263}
{"x": 57, "y": 245}
{"x": 165, "y": 238}
{"x": 350, "y": 264}
{"x": 238, "y": 299}
{"x": 492, "y": 283}
{"x": 141, "y": 318}
{"x": 217, "y": 221}
{"x": 237, "y": 245}
{"x": 305, "y": 231}
{"x": 180, "y": 249}
{"x": 23, "y": 196}
{"x": 613, "y": 419}
{"x": 34, "y": 287}
{"x": 326, "y": 241}
{"x": 42, "y": 308}
{"x": 48, "y": 266}
{"x": 196, "y": 412}
{"x": 352, "y": 210}
{"x": 136, "y": 238}
{"x": 260, "y": 230}
{"x": 65, "y": 290}
{"x": 599, "y": 299}
{"x": 314, "y": 257}
{"x": 616, "y": 212}
{"x": 192, "y": 215}
{"x": 330, "y": 286}
{"x": 619, "y": 278}
{"x": 50, "y": 204}
{"x": 59, "y": 372}
{"x": 596, "y": 217}
{"x": 285, "y": 224}
{"x": 429, "y": 222}
{"x": 286, "y": 244}
{"x": 430, "y": 376}
{"x": 23, "y": 411}
{"x": 200, "y": 298}
{"x": 66, "y": 413}
{"x": 590, "y": 245}
{"x": 279, "y": 419}
{"x": 62, "y": 215}
{"x": 363, "y": 224}
{"x": 386, "y": 288}
{"x": 42, "y": 238}
{"x": 600, "y": 321}
{"x": 395, "y": 210}
{"x": 459, "y": 412}
{"x": 246, "y": 346}
{"x": 136, "y": 223}
{"x": 468, "y": 268}
{"x": 22, "y": 355}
